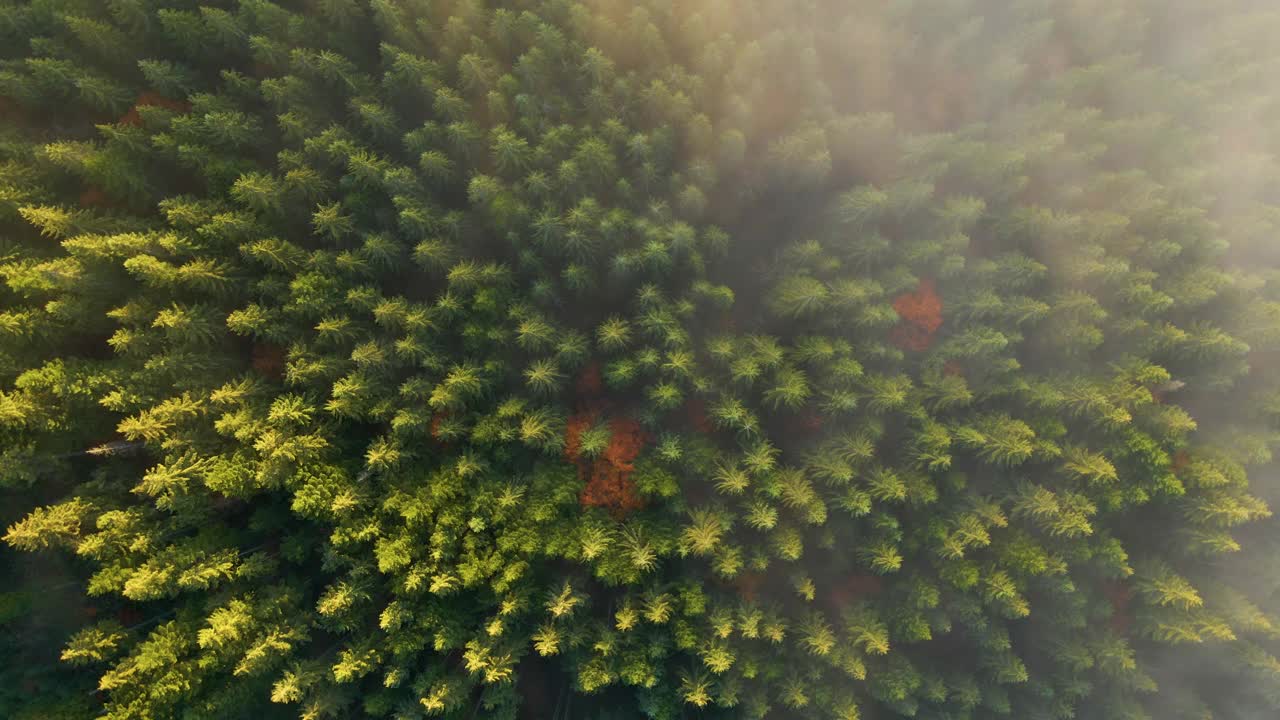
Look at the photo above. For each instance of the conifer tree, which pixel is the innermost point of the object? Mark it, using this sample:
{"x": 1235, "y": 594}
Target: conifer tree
{"x": 396, "y": 359}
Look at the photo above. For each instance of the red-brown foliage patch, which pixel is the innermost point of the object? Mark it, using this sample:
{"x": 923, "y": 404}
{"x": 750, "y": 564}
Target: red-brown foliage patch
{"x": 811, "y": 420}
{"x": 1181, "y": 460}
{"x": 852, "y": 588}
{"x": 590, "y": 382}
{"x": 920, "y": 314}
{"x": 953, "y": 368}
{"x": 132, "y": 117}
{"x": 695, "y": 409}
{"x": 573, "y": 430}
{"x": 627, "y": 440}
{"x": 128, "y": 617}
{"x": 154, "y": 99}
{"x": 437, "y": 419}
{"x": 910, "y": 337}
{"x": 269, "y": 360}
{"x": 748, "y": 585}
{"x": 608, "y": 477}
{"x": 94, "y": 197}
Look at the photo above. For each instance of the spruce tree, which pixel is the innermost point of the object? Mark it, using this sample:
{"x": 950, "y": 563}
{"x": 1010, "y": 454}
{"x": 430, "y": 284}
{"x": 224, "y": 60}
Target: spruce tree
{"x": 404, "y": 359}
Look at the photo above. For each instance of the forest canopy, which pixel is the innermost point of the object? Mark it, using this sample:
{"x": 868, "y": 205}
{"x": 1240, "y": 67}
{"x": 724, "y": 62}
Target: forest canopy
{"x": 614, "y": 359}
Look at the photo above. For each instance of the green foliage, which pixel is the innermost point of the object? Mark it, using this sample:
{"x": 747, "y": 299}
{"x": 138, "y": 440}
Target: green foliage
{"x": 401, "y": 359}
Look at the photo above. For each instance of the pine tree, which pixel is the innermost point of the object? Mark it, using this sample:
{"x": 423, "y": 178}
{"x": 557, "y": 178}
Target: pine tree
{"x": 371, "y": 358}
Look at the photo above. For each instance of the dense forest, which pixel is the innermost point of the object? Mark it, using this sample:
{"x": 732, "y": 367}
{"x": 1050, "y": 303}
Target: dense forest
{"x": 612, "y": 359}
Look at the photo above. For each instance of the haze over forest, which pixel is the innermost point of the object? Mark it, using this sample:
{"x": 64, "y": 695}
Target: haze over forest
{"x": 647, "y": 359}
